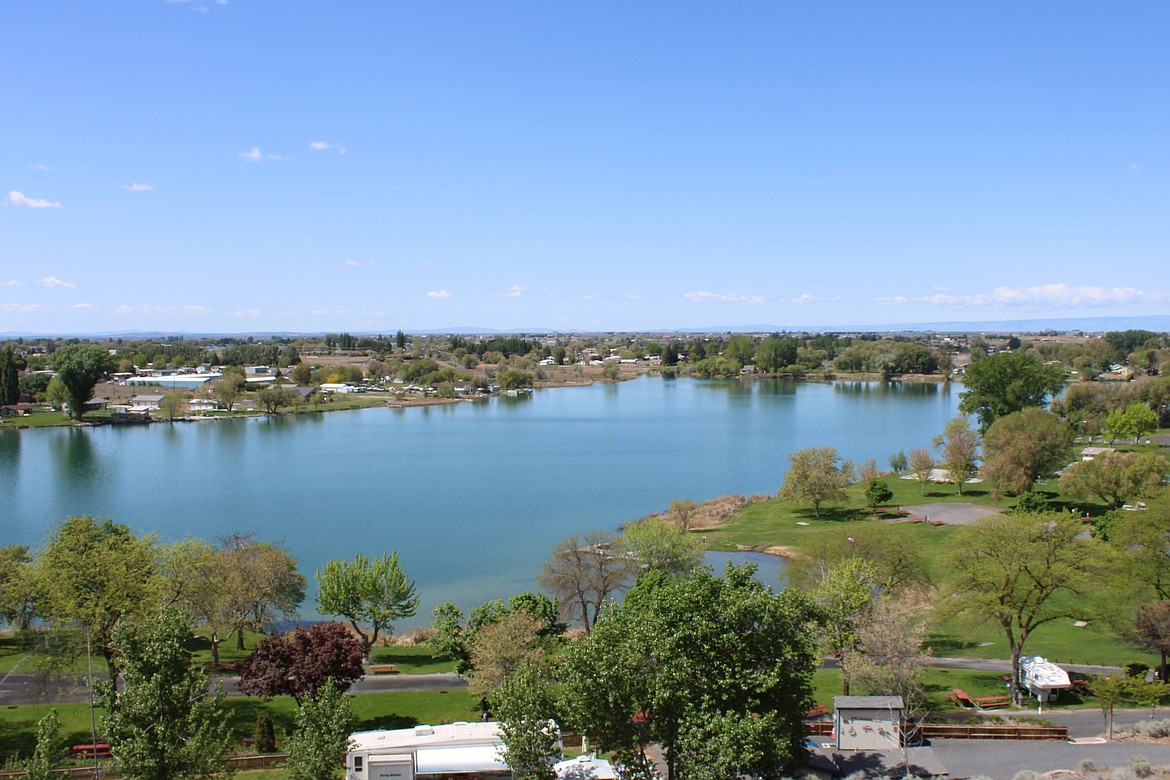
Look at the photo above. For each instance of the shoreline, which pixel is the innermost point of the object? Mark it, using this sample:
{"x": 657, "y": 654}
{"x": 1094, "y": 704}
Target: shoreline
{"x": 397, "y": 403}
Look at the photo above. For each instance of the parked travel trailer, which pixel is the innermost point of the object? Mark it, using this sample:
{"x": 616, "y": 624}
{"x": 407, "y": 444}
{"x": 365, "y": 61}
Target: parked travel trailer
{"x": 466, "y": 751}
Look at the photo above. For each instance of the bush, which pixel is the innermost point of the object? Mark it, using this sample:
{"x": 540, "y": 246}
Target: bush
{"x": 1135, "y": 668}
{"x": 1140, "y": 766}
{"x": 265, "y": 735}
{"x": 1154, "y": 729}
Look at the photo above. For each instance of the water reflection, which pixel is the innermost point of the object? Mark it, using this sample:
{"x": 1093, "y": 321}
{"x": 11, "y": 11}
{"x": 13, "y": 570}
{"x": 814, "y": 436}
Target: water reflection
{"x": 9, "y": 450}
{"x": 891, "y": 388}
{"x": 76, "y": 460}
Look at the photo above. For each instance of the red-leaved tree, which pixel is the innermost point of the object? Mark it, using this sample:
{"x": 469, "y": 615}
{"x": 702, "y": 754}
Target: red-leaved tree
{"x": 299, "y": 662}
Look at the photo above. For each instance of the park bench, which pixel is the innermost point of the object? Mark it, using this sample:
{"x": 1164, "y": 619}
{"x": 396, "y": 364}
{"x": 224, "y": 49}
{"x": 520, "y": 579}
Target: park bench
{"x": 991, "y": 702}
{"x": 99, "y": 749}
{"x": 961, "y": 699}
{"x": 383, "y": 669}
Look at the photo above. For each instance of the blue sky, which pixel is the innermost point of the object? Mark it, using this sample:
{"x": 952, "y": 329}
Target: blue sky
{"x": 247, "y": 166}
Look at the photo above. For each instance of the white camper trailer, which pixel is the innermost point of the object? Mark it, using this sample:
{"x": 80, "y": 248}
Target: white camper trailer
{"x": 1042, "y": 678}
{"x": 466, "y": 751}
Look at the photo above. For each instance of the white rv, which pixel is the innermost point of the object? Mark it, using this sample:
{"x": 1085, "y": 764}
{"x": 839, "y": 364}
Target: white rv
{"x": 458, "y": 751}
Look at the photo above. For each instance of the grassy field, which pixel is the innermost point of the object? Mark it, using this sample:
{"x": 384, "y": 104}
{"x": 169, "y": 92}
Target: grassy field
{"x": 18, "y": 724}
{"x": 784, "y": 524}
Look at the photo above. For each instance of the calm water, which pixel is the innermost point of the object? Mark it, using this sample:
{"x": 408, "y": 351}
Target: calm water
{"x": 474, "y": 495}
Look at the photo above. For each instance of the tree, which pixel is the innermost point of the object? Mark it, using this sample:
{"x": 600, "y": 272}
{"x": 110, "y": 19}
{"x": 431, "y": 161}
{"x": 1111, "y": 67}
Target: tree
{"x": 815, "y": 476}
{"x": 1117, "y": 477}
{"x": 501, "y": 647}
{"x": 684, "y": 666}
{"x": 96, "y": 573}
{"x": 454, "y": 640}
{"x": 316, "y": 749}
{"x": 272, "y": 398}
{"x": 888, "y": 657}
{"x": 844, "y": 597}
{"x": 525, "y": 710}
{"x": 163, "y": 721}
{"x": 1023, "y": 446}
{"x": 57, "y": 395}
{"x": 775, "y": 354}
{"x": 372, "y": 593}
{"x": 514, "y": 380}
{"x": 683, "y": 513}
{"x": 1131, "y": 422}
{"x": 10, "y": 367}
{"x": 170, "y": 406}
{"x": 921, "y": 466}
{"x": 300, "y": 662}
{"x": 741, "y": 350}
{"x": 228, "y": 388}
{"x": 655, "y": 544}
{"x": 1007, "y": 382}
{"x": 959, "y": 447}
{"x": 1143, "y": 541}
{"x": 1151, "y": 632}
{"x": 16, "y": 586}
{"x": 400, "y": 340}
{"x": 79, "y": 367}
{"x": 49, "y": 750}
{"x": 868, "y": 471}
{"x": 898, "y": 462}
{"x": 1019, "y": 572}
{"x": 877, "y": 492}
{"x": 582, "y": 574}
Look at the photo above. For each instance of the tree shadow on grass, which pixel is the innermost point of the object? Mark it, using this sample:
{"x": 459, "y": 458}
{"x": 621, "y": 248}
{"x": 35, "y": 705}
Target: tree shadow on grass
{"x": 390, "y": 655}
{"x": 949, "y": 645}
{"x": 388, "y": 721}
{"x": 838, "y": 514}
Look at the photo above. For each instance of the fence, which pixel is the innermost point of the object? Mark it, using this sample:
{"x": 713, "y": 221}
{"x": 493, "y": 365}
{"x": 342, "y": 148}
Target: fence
{"x": 948, "y": 731}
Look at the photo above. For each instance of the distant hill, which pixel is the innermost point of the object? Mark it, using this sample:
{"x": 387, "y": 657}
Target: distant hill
{"x": 1156, "y": 323}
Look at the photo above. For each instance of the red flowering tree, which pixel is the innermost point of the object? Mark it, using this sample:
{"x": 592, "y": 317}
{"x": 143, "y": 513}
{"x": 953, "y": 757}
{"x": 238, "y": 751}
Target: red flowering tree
{"x": 298, "y": 663}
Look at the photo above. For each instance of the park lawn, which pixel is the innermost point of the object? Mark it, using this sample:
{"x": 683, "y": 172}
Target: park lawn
{"x": 18, "y": 723}
{"x": 416, "y": 659}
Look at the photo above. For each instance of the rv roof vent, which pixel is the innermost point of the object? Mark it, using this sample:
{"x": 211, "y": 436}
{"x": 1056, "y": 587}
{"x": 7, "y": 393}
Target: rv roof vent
{"x": 423, "y": 731}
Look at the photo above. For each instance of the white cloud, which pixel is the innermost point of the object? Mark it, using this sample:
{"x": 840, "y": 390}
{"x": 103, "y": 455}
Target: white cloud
{"x": 633, "y": 297}
{"x": 52, "y": 281}
{"x": 23, "y": 308}
{"x": 515, "y": 291}
{"x": 441, "y": 294}
{"x": 355, "y": 263}
{"x": 896, "y": 300}
{"x": 42, "y": 167}
{"x": 324, "y": 146}
{"x": 710, "y": 297}
{"x": 1044, "y": 296}
{"x": 136, "y": 187}
{"x": 244, "y": 311}
{"x": 83, "y": 306}
{"x": 195, "y": 309}
{"x": 254, "y": 155}
{"x": 590, "y": 297}
{"x": 804, "y": 298}
{"x": 12, "y": 283}
{"x": 20, "y": 200}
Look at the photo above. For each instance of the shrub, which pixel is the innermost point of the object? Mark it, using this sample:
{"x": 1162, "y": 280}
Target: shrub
{"x": 265, "y": 735}
{"x": 1140, "y": 766}
{"x": 1154, "y": 729}
{"x": 1135, "y": 668}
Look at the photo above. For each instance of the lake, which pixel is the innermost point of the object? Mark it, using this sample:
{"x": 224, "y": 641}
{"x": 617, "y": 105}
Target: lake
{"x": 474, "y": 495}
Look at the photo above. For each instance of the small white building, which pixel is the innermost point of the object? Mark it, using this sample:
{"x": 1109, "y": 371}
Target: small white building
{"x": 868, "y": 722}
{"x": 470, "y": 750}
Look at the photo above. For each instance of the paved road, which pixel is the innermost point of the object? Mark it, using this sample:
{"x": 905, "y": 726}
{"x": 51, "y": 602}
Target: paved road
{"x": 1000, "y": 760}
{"x": 29, "y": 689}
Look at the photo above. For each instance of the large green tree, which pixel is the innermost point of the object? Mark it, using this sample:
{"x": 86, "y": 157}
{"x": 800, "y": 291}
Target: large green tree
{"x": 17, "y": 588}
{"x": 163, "y": 720}
{"x": 1131, "y": 422}
{"x": 526, "y": 710}
{"x": 816, "y": 475}
{"x": 1117, "y": 477}
{"x": 688, "y": 666}
{"x": 80, "y": 367}
{"x": 656, "y": 544}
{"x": 371, "y": 593}
{"x": 95, "y": 573}
{"x": 1021, "y": 447}
{"x": 1007, "y": 382}
{"x": 1021, "y": 571}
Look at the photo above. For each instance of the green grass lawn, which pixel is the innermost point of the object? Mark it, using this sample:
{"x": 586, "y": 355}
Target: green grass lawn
{"x": 785, "y": 524}
{"x": 18, "y": 724}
